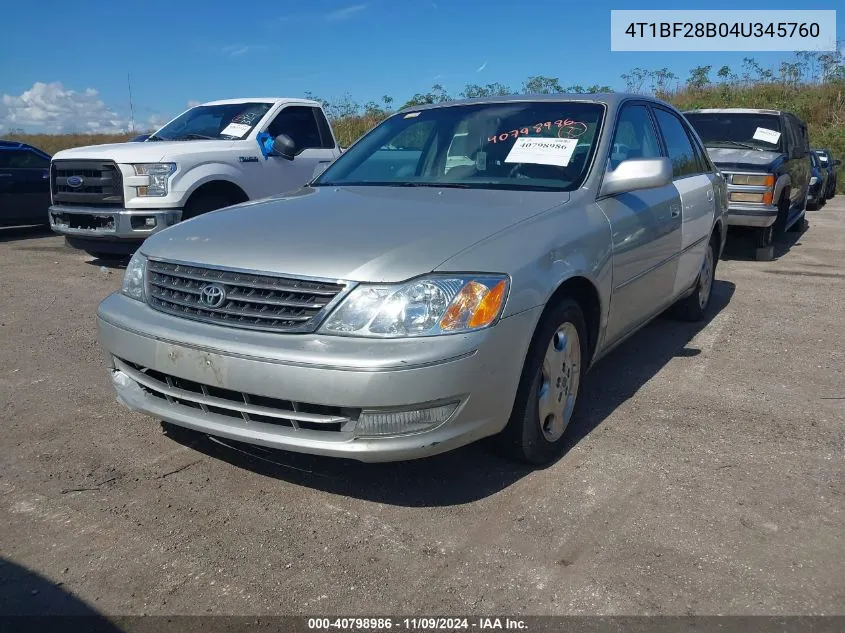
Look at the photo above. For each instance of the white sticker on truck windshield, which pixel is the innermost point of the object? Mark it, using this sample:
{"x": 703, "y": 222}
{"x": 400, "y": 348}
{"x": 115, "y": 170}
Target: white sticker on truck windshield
{"x": 236, "y": 129}
{"x": 766, "y": 135}
{"x": 542, "y": 151}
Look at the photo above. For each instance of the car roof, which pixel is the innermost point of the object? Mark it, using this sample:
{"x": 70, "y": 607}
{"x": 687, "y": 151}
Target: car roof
{"x": 608, "y": 98}
{"x": 19, "y": 145}
{"x": 734, "y": 111}
{"x": 264, "y": 100}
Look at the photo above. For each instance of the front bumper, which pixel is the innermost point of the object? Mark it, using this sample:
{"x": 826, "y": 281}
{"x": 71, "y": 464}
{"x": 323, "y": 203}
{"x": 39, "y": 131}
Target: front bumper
{"x": 756, "y": 215}
{"x": 479, "y": 370}
{"x": 110, "y": 223}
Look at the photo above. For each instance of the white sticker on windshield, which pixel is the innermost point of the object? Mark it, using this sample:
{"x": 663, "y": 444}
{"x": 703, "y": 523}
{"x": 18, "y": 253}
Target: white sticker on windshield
{"x": 822, "y": 158}
{"x": 411, "y": 115}
{"x": 542, "y": 151}
{"x": 236, "y": 129}
{"x": 766, "y": 135}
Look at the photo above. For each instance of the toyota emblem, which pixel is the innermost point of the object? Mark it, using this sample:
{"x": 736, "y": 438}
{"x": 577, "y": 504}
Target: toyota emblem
{"x": 213, "y": 295}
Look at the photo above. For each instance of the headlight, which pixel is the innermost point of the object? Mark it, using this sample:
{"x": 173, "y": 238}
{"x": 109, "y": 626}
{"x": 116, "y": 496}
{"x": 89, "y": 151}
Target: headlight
{"x": 813, "y": 180}
{"x": 761, "y": 180}
{"x": 442, "y": 304}
{"x": 133, "y": 279}
{"x": 159, "y": 174}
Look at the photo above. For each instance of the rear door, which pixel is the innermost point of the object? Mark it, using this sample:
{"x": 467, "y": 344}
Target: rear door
{"x": 693, "y": 178}
{"x": 24, "y": 186}
{"x": 315, "y": 145}
{"x": 645, "y": 229}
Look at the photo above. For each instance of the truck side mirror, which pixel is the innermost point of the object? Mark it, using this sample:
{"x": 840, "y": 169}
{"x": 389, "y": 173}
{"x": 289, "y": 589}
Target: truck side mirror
{"x": 837, "y": 162}
{"x": 284, "y": 146}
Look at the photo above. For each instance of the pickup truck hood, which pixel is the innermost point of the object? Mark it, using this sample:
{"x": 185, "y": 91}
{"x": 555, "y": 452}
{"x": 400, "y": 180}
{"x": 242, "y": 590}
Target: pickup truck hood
{"x": 738, "y": 158}
{"x": 146, "y": 152}
{"x": 377, "y": 234}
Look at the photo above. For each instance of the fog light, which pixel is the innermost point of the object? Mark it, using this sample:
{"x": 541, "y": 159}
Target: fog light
{"x": 376, "y": 423}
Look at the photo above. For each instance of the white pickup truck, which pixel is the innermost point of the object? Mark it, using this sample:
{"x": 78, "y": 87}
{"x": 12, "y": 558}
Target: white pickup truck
{"x": 106, "y": 199}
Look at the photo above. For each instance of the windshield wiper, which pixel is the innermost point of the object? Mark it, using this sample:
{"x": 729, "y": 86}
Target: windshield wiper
{"x": 439, "y": 185}
{"x": 736, "y": 144}
{"x": 194, "y": 137}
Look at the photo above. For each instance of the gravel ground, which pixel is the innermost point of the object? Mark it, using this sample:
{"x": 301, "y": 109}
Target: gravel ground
{"x": 705, "y": 474}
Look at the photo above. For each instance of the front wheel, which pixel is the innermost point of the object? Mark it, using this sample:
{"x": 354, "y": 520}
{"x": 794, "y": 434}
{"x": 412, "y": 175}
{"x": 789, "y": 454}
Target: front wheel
{"x": 548, "y": 388}
{"x": 694, "y": 306}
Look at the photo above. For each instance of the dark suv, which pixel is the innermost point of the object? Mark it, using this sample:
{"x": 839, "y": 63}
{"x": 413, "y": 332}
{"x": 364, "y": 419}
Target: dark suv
{"x": 24, "y": 184}
{"x": 765, "y": 156}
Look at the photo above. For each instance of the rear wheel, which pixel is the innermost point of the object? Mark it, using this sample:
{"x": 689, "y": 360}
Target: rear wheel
{"x": 548, "y": 388}
{"x": 693, "y": 307}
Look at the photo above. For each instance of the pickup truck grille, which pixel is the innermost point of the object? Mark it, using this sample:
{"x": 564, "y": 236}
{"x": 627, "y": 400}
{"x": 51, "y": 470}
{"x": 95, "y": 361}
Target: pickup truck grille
{"x": 236, "y": 299}
{"x": 100, "y": 183}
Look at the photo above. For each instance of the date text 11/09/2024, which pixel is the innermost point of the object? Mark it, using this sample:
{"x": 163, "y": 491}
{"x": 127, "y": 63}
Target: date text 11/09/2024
{"x": 416, "y": 624}
{"x": 723, "y": 29}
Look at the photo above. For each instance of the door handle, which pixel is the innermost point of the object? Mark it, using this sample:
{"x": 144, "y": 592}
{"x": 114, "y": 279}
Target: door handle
{"x": 710, "y": 195}
{"x": 675, "y": 211}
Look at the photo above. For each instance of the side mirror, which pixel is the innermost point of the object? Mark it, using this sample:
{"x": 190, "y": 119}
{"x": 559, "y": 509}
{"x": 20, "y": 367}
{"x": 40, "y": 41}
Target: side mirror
{"x": 837, "y": 163}
{"x": 637, "y": 173}
{"x": 284, "y": 146}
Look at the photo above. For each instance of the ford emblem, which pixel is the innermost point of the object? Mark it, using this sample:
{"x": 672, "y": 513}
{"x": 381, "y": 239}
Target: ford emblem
{"x": 75, "y": 181}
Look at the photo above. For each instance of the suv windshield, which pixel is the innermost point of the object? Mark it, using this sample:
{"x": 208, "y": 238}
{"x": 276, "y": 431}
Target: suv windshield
{"x": 728, "y": 129}
{"x": 545, "y": 146}
{"x": 225, "y": 121}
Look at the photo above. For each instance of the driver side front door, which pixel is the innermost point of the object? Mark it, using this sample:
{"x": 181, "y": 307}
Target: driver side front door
{"x": 315, "y": 146}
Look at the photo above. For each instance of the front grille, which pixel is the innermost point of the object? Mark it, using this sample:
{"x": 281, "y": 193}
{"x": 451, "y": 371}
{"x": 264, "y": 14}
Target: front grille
{"x": 242, "y": 406}
{"x": 101, "y": 183}
{"x": 251, "y": 301}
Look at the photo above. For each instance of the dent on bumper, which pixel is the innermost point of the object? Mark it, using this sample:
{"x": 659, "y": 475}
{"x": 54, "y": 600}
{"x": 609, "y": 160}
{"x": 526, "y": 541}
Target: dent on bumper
{"x": 480, "y": 370}
{"x": 109, "y": 223}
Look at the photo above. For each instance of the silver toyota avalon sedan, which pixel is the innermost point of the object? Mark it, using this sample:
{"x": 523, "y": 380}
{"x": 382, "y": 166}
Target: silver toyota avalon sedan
{"x": 451, "y": 276}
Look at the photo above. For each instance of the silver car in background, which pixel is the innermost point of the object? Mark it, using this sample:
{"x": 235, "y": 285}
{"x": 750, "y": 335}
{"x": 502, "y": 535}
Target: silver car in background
{"x": 410, "y": 301}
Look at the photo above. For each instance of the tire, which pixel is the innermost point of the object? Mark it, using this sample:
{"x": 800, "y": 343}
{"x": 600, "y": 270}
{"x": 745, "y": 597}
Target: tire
{"x": 779, "y": 227}
{"x": 560, "y": 337}
{"x": 694, "y": 307}
{"x": 203, "y": 204}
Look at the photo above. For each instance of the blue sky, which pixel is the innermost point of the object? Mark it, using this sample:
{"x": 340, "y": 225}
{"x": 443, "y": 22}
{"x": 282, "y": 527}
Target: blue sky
{"x": 186, "y": 51}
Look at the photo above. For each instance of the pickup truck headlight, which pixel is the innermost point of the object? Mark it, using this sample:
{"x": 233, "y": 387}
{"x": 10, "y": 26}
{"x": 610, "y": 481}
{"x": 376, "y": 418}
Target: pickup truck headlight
{"x": 428, "y": 306}
{"x": 813, "y": 180}
{"x": 133, "y": 279}
{"x": 759, "y": 180}
{"x": 159, "y": 174}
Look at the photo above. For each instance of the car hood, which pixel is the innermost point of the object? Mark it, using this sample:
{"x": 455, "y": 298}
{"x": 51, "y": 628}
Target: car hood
{"x": 146, "y": 152}
{"x": 738, "y": 158}
{"x": 378, "y": 234}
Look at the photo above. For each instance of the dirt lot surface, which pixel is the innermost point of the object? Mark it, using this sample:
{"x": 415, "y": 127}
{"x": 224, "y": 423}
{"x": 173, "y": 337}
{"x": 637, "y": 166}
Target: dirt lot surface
{"x": 705, "y": 474}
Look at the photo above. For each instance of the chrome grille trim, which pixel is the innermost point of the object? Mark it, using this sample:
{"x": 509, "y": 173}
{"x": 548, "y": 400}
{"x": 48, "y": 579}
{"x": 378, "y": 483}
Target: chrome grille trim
{"x": 255, "y": 301}
{"x": 243, "y": 408}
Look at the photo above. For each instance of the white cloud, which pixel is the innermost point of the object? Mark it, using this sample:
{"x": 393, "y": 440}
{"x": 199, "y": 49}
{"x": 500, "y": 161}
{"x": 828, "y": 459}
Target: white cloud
{"x": 346, "y": 12}
{"x": 49, "y": 107}
{"x": 482, "y": 67}
{"x": 193, "y": 103}
{"x": 237, "y": 50}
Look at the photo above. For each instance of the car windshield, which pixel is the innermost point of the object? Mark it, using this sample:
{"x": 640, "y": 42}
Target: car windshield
{"x": 543, "y": 146}
{"x": 227, "y": 121}
{"x": 742, "y": 130}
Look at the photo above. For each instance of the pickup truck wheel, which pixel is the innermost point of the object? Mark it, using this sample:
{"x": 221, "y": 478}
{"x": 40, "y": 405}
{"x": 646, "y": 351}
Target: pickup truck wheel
{"x": 694, "y": 307}
{"x": 548, "y": 387}
{"x": 203, "y": 204}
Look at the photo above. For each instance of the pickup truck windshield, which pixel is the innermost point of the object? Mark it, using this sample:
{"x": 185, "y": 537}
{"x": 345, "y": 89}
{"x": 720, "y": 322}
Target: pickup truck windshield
{"x": 225, "y": 121}
{"x": 740, "y": 130}
{"x": 543, "y": 146}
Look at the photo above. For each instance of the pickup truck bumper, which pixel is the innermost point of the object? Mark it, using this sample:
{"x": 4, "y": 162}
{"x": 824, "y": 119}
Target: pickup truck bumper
{"x": 110, "y": 224}
{"x": 757, "y": 215}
